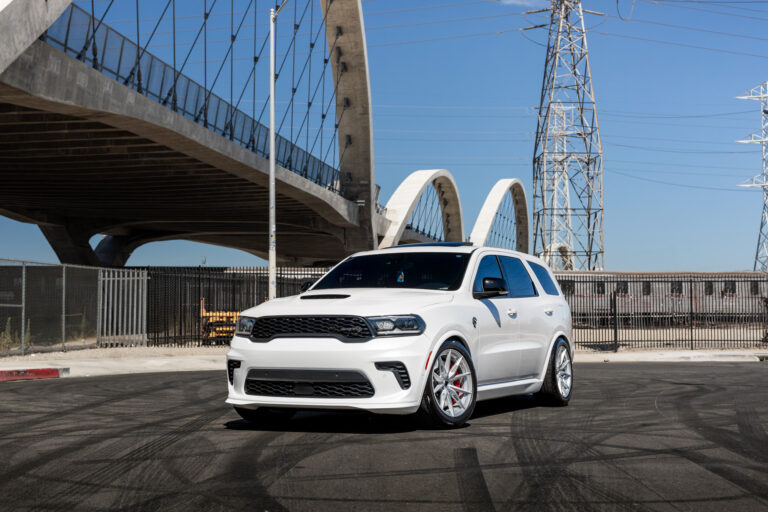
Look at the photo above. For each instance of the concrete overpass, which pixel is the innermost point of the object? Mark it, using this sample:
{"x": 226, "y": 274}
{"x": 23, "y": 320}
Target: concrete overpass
{"x": 85, "y": 151}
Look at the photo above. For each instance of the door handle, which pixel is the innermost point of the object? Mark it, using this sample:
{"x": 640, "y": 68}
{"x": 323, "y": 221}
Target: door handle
{"x": 548, "y": 312}
{"x": 512, "y": 312}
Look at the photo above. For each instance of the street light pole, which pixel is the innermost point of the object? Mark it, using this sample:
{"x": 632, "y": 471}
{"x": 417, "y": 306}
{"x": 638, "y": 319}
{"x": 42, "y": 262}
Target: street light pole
{"x": 272, "y": 223}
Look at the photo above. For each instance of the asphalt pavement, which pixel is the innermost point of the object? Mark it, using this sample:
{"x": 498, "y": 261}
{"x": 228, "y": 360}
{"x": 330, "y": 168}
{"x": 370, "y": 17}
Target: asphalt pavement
{"x": 636, "y": 436}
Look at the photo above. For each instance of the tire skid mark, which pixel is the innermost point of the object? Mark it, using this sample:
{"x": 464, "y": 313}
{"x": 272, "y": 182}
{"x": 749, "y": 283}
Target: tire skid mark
{"x": 26, "y": 466}
{"x": 752, "y": 432}
{"x": 757, "y": 490}
{"x": 31, "y": 425}
{"x": 98, "y": 479}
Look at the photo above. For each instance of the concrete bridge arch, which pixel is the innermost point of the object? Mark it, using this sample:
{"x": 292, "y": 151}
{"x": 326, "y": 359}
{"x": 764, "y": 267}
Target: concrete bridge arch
{"x": 401, "y": 206}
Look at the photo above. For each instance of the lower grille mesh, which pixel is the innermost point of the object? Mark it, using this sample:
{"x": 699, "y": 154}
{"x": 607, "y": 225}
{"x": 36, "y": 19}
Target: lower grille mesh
{"x": 309, "y": 389}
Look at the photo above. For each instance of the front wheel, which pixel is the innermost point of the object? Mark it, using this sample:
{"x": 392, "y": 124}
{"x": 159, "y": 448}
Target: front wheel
{"x": 451, "y": 390}
{"x": 558, "y": 382}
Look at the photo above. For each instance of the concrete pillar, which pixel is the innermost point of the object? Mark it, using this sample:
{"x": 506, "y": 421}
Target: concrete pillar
{"x": 71, "y": 244}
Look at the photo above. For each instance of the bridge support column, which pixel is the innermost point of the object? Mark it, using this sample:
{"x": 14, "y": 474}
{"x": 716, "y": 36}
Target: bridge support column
{"x": 114, "y": 251}
{"x": 71, "y": 244}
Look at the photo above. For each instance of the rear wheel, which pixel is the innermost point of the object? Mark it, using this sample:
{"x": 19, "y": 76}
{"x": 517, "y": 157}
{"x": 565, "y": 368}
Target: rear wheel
{"x": 265, "y": 414}
{"x": 558, "y": 382}
{"x": 451, "y": 390}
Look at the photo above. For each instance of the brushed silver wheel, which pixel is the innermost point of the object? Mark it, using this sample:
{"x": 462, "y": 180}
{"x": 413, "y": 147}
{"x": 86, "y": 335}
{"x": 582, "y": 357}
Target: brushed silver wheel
{"x": 564, "y": 371}
{"x": 452, "y": 383}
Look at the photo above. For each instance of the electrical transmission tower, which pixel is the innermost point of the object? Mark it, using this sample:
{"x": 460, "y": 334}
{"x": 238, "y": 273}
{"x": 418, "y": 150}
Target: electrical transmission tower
{"x": 568, "y": 155}
{"x": 760, "y": 93}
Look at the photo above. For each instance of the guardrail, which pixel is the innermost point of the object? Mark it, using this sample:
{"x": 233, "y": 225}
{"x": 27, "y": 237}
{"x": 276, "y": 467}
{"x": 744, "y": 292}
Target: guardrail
{"x": 116, "y": 57}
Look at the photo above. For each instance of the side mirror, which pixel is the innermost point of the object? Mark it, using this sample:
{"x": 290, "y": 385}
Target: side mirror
{"x": 306, "y": 285}
{"x": 492, "y": 287}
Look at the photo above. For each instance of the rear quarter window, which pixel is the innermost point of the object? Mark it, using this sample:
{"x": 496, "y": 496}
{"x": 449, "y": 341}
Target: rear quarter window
{"x": 542, "y": 274}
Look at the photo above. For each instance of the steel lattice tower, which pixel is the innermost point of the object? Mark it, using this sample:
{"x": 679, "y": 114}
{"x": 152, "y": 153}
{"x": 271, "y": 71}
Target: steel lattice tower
{"x": 568, "y": 155}
{"x": 760, "y": 93}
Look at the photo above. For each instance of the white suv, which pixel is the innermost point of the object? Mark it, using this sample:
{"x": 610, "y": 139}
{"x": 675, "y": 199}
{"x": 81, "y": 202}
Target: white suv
{"x": 434, "y": 327}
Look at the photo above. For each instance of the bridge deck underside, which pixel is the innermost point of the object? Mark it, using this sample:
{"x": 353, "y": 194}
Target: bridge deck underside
{"x": 65, "y": 170}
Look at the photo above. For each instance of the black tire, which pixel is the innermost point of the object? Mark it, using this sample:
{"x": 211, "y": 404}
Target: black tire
{"x": 265, "y": 414}
{"x": 430, "y": 409}
{"x": 550, "y": 390}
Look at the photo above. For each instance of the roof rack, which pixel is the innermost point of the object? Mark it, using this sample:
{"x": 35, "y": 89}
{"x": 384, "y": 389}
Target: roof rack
{"x": 432, "y": 244}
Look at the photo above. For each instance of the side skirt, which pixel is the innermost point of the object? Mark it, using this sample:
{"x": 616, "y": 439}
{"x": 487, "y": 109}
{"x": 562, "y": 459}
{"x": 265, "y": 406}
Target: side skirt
{"x": 515, "y": 387}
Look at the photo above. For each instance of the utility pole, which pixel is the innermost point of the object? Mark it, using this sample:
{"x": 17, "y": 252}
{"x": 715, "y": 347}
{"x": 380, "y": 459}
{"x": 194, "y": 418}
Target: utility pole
{"x": 273, "y": 13}
{"x": 760, "y": 93}
{"x": 568, "y": 153}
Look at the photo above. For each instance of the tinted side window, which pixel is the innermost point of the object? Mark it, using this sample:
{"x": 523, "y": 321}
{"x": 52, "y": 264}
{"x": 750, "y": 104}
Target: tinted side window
{"x": 544, "y": 278}
{"x": 519, "y": 281}
{"x": 488, "y": 267}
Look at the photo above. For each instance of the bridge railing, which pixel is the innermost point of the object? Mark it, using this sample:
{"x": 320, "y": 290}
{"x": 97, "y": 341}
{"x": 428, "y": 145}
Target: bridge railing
{"x": 116, "y": 57}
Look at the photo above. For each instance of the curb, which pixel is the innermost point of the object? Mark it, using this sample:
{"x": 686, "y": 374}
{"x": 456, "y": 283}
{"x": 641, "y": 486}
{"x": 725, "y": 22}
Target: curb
{"x": 36, "y": 373}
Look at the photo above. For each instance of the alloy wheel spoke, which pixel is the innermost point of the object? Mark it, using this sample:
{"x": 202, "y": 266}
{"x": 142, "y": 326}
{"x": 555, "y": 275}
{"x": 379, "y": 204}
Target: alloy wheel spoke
{"x": 456, "y": 367}
{"x": 458, "y": 400}
{"x": 454, "y": 388}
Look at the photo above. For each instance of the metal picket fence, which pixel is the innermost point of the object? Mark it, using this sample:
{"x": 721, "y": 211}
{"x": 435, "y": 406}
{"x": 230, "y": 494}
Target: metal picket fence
{"x": 190, "y": 306}
{"x": 613, "y": 311}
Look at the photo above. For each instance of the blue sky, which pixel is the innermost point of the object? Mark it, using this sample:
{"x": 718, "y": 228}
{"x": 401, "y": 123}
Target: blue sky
{"x": 454, "y": 84}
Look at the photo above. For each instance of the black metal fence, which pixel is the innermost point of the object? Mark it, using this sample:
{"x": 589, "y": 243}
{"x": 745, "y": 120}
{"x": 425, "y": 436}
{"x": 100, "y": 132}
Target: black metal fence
{"x": 199, "y": 305}
{"x": 45, "y": 307}
{"x": 613, "y": 311}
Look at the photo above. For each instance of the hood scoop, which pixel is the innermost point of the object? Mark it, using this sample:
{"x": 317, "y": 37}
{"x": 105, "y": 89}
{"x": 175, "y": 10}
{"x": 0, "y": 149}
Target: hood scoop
{"x": 324, "y": 296}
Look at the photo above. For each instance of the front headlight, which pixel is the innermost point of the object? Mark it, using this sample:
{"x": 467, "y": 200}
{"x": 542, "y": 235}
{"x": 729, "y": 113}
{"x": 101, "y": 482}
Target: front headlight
{"x": 398, "y": 325}
{"x": 244, "y": 326}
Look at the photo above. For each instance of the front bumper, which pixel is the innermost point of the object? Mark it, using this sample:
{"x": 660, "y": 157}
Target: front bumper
{"x": 331, "y": 354}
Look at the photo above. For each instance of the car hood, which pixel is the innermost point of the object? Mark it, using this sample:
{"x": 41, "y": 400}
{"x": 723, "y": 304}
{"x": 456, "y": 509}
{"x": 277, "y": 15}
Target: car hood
{"x": 353, "y": 301}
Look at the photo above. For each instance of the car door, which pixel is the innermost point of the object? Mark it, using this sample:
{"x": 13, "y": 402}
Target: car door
{"x": 494, "y": 361}
{"x": 524, "y": 305}
{"x": 556, "y": 312}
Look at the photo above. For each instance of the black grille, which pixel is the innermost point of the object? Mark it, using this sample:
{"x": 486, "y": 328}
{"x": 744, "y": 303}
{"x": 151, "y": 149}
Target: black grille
{"x": 399, "y": 370}
{"x": 231, "y": 365}
{"x": 308, "y": 383}
{"x": 345, "y": 328}
{"x": 309, "y": 389}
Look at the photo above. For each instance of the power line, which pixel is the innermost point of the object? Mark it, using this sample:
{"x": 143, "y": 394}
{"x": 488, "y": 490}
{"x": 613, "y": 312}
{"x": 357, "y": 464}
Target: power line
{"x": 682, "y": 45}
{"x": 680, "y": 185}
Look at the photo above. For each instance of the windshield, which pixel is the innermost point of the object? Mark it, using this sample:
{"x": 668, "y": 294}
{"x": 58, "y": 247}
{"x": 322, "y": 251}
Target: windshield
{"x": 425, "y": 270}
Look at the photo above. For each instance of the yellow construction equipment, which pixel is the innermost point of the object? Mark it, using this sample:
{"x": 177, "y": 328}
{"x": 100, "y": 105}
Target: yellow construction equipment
{"x": 218, "y": 327}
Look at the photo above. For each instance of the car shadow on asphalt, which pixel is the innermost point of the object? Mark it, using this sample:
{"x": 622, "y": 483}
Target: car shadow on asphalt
{"x": 354, "y": 422}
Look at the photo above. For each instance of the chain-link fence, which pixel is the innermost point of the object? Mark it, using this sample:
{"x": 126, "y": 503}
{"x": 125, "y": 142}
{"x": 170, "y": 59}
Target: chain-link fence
{"x": 46, "y": 307}
{"x": 613, "y": 311}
